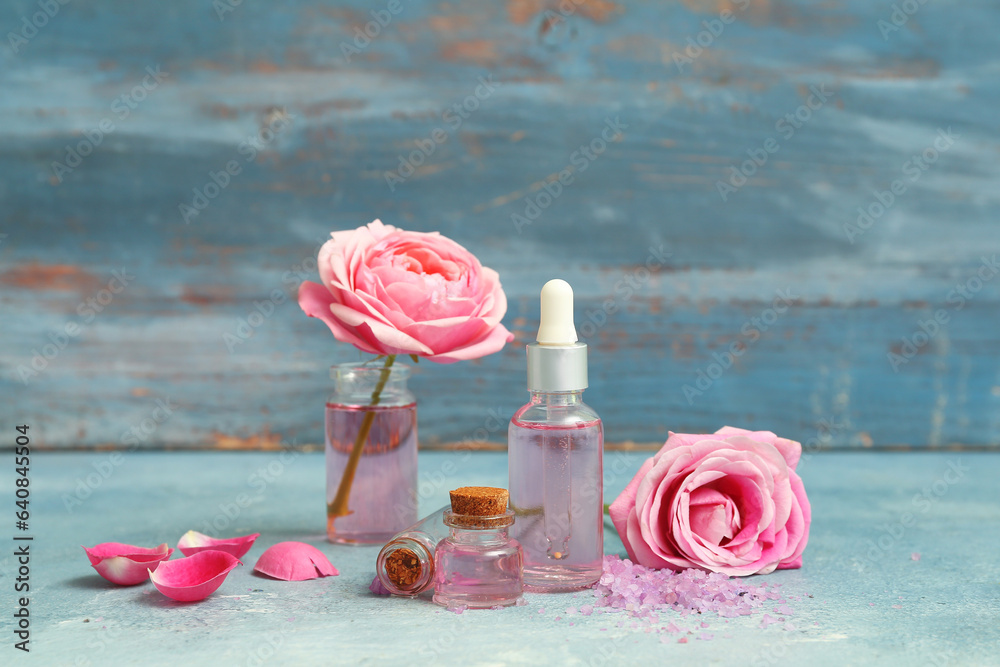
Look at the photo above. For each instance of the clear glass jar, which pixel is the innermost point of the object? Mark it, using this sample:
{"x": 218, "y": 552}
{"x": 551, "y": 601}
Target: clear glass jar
{"x": 405, "y": 565}
{"x": 478, "y": 566}
{"x": 383, "y": 494}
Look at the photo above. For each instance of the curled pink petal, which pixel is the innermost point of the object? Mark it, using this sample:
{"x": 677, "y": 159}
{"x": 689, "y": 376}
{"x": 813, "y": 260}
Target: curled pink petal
{"x": 193, "y": 542}
{"x": 294, "y": 561}
{"x": 124, "y": 564}
{"x": 195, "y": 577}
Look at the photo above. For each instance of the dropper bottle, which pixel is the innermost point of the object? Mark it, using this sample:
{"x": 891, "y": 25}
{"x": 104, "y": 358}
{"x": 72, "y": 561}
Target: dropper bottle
{"x": 555, "y": 457}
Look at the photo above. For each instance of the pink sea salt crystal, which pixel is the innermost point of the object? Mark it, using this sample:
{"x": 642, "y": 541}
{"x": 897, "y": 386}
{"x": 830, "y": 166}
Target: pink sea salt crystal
{"x": 587, "y": 609}
{"x": 768, "y": 620}
{"x": 378, "y": 588}
{"x": 294, "y": 561}
{"x": 639, "y": 591}
{"x": 682, "y": 640}
{"x": 784, "y": 609}
{"x": 914, "y": 556}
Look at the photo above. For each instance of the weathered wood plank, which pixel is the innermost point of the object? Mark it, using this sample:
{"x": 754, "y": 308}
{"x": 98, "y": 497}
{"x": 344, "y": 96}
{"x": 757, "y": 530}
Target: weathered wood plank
{"x": 856, "y": 293}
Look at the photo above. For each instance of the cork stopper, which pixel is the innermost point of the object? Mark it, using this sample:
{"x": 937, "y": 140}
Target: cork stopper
{"x": 479, "y": 507}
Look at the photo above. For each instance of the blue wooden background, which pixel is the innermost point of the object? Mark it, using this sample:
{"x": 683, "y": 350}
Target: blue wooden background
{"x": 345, "y": 112}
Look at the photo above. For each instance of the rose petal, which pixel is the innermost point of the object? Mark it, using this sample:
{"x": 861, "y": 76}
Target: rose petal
{"x": 294, "y": 561}
{"x": 625, "y": 504}
{"x": 494, "y": 342}
{"x": 125, "y": 564}
{"x": 315, "y": 300}
{"x": 195, "y": 577}
{"x": 798, "y": 525}
{"x": 790, "y": 450}
{"x": 193, "y": 542}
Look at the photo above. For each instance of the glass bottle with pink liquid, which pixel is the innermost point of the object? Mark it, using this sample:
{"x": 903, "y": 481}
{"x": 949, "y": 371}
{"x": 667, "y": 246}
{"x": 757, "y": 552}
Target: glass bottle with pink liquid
{"x": 555, "y": 457}
{"x": 383, "y": 493}
{"x": 478, "y": 566}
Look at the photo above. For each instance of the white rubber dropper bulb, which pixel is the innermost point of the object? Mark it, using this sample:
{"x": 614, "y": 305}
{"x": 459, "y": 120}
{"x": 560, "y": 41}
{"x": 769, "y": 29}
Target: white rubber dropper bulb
{"x": 555, "y": 326}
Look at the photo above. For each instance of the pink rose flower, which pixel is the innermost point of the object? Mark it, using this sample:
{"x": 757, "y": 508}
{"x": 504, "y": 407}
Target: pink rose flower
{"x": 729, "y": 502}
{"x": 389, "y": 291}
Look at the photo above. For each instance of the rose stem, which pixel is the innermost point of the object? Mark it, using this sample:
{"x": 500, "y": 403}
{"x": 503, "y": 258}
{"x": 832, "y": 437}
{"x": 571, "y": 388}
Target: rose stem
{"x": 339, "y": 505}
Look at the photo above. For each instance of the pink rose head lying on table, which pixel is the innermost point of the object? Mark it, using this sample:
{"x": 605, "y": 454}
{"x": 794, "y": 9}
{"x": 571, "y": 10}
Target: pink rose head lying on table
{"x": 389, "y": 291}
{"x": 729, "y": 502}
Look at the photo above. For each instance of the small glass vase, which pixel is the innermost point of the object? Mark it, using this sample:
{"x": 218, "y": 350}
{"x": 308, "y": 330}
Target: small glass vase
{"x": 383, "y": 494}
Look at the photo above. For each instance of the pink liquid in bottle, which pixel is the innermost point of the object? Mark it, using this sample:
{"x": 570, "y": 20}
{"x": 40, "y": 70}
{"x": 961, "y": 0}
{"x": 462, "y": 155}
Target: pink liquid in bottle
{"x": 383, "y": 495}
{"x": 478, "y": 568}
{"x": 556, "y": 491}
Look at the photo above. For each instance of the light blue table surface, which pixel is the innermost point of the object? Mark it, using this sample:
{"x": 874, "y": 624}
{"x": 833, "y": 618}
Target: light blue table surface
{"x": 864, "y": 598}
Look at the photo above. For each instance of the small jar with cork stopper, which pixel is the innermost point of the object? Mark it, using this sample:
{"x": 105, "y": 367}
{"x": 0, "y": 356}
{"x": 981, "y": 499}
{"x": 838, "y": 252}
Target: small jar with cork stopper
{"x": 478, "y": 566}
